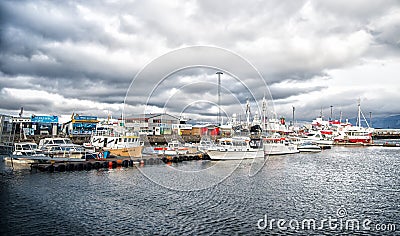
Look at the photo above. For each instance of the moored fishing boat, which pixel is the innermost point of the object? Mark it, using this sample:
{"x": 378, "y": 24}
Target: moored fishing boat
{"x": 278, "y": 146}
{"x": 25, "y": 153}
{"x": 355, "y": 134}
{"x": 174, "y": 147}
{"x": 320, "y": 137}
{"x": 61, "y": 148}
{"x": 206, "y": 144}
{"x": 309, "y": 147}
{"x": 117, "y": 143}
{"x": 237, "y": 148}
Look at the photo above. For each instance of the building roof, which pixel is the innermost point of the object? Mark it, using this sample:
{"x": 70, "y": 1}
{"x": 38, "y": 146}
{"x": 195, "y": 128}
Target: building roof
{"x": 146, "y": 117}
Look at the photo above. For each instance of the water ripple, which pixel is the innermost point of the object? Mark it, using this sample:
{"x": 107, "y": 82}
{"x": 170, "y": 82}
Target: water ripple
{"x": 362, "y": 181}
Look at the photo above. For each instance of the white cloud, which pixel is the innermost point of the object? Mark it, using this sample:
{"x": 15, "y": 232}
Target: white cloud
{"x": 309, "y": 52}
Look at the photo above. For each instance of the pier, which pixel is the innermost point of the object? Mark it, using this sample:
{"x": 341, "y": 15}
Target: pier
{"x": 386, "y": 134}
{"x": 115, "y": 162}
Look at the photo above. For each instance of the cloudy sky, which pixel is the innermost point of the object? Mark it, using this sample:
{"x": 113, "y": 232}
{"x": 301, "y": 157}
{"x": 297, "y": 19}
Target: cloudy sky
{"x": 59, "y": 57}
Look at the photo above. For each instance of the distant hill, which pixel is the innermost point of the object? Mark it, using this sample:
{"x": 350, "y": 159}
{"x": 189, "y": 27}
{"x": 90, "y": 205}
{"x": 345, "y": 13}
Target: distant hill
{"x": 390, "y": 122}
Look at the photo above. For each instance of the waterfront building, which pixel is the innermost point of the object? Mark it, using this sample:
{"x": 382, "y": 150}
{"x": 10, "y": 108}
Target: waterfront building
{"x": 205, "y": 130}
{"x": 153, "y": 124}
{"x": 22, "y": 126}
{"x": 81, "y": 125}
{"x": 6, "y": 134}
{"x": 182, "y": 129}
{"x": 43, "y": 125}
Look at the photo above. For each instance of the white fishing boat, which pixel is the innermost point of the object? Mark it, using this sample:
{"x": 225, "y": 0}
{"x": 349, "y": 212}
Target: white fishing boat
{"x": 309, "y": 147}
{"x": 27, "y": 149}
{"x": 320, "y": 137}
{"x": 54, "y": 141}
{"x": 117, "y": 143}
{"x": 61, "y": 148}
{"x": 355, "y": 134}
{"x": 237, "y": 148}
{"x": 206, "y": 144}
{"x": 174, "y": 147}
{"x": 64, "y": 151}
{"x": 25, "y": 153}
{"x": 278, "y": 146}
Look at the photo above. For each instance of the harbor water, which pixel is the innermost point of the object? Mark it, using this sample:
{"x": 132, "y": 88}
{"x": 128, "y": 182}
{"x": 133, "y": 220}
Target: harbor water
{"x": 358, "y": 184}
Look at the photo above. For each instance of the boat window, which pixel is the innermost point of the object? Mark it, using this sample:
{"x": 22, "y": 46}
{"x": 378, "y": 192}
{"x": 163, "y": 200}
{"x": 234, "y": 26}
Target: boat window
{"x": 120, "y": 140}
{"x": 58, "y": 141}
{"x": 67, "y": 141}
{"x": 125, "y": 140}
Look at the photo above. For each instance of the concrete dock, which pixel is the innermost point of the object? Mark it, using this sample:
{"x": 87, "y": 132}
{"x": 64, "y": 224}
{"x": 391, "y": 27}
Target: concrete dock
{"x": 112, "y": 163}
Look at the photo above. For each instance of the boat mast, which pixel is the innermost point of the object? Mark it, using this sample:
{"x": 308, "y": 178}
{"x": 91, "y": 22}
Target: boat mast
{"x": 248, "y": 112}
{"x": 360, "y": 113}
{"x": 219, "y": 73}
{"x": 358, "y": 123}
{"x": 264, "y": 114}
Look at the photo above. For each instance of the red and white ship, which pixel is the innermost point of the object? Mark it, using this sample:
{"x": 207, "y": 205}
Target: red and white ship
{"x": 354, "y": 134}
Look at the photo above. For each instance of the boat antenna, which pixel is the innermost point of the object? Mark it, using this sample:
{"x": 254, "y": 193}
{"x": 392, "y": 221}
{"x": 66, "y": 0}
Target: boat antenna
{"x": 219, "y": 73}
{"x": 248, "y": 112}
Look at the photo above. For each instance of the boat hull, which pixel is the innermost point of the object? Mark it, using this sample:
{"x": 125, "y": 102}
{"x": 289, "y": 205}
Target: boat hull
{"x": 127, "y": 152}
{"x": 41, "y": 159}
{"x": 68, "y": 155}
{"x": 354, "y": 140}
{"x": 309, "y": 149}
{"x": 235, "y": 155}
{"x": 20, "y": 160}
{"x": 279, "y": 149}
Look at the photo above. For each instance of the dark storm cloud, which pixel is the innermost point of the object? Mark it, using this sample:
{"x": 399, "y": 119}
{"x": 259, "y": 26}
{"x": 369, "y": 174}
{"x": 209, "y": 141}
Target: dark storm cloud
{"x": 87, "y": 52}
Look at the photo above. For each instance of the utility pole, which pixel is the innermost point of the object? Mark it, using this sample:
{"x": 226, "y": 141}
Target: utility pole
{"x": 370, "y": 119}
{"x": 358, "y": 123}
{"x": 293, "y": 115}
{"x": 219, "y": 73}
{"x": 320, "y": 115}
{"x": 331, "y": 118}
